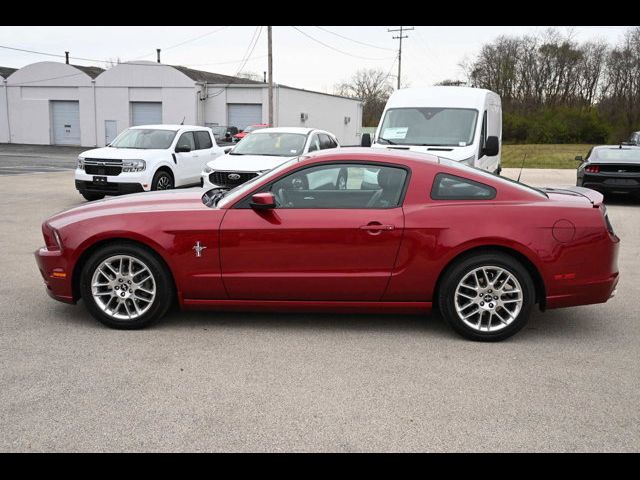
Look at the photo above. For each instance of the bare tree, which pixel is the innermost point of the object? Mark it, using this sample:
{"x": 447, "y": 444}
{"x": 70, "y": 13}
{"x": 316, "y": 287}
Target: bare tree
{"x": 373, "y": 87}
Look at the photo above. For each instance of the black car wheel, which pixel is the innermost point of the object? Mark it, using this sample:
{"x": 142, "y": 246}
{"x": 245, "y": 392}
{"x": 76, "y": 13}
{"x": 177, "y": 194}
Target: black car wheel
{"x": 487, "y": 297}
{"x": 162, "y": 181}
{"x": 125, "y": 286}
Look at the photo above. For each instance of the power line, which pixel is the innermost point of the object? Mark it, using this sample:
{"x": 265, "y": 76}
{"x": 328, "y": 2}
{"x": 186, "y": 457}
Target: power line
{"x": 250, "y": 48}
{"x": 356, "y": 41}
{"x": 337, "y": 50}
{"x": 185, "y": 42}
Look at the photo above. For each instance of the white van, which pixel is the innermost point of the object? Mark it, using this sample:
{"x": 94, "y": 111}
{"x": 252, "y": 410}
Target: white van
{"x": 459, "y": 123}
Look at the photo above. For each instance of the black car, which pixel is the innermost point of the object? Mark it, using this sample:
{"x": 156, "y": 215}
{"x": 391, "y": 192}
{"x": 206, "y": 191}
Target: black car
{"x": 224, "y": 134}
{"x": 611, "y": 169}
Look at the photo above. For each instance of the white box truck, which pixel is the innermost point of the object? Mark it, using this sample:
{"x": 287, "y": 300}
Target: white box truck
{"x": 459, "y": 123}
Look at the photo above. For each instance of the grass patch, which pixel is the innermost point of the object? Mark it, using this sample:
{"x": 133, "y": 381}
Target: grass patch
{"x": 543, "y": 155}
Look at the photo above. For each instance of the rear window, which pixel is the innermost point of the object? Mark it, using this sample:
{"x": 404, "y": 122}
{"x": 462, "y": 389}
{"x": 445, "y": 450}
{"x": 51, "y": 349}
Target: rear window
{"x": 203, "y": 139}
{"x": 617, "y": 154}
{"x": 450, "y": 187}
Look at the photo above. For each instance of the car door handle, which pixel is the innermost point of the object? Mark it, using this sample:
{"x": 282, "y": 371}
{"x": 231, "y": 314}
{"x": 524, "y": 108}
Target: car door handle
{"x": 377, "y": 227}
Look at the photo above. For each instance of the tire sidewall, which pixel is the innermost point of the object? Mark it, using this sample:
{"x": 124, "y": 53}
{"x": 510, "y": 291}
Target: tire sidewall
{"x": 164, "y": 288}
{"x": 158, "y": 176}
{"x": 455, "y": 274}
{"x": 90, "y": 197}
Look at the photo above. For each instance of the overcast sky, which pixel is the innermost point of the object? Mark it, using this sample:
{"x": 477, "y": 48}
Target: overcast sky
{"x": 429, "y": 55}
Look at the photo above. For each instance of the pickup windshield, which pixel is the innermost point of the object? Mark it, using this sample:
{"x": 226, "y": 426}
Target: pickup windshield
{"x": 144, "y": 139}
{"x": 442, "y": 127}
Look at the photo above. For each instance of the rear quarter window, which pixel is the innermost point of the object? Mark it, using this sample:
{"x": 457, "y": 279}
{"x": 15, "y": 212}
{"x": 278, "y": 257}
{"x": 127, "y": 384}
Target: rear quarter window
{"x": 451, "y": 187}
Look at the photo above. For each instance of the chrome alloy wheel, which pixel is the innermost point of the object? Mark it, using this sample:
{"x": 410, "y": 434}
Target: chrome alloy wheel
{"x": 488, "y": 298}
{"x": 123, "y": 287}
{"x": 164, "y": 183}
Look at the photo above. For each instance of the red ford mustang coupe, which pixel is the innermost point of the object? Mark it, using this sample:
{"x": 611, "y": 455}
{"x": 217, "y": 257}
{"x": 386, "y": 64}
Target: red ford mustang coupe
{"x": 407, "y": 232}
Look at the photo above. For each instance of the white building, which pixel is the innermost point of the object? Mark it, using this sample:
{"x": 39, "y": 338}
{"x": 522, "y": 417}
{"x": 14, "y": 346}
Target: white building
{"x": 57, "y": 103}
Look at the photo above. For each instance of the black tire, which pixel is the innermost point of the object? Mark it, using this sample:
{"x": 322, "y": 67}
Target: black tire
{"x": 456, "y": 273}
{"x": 341, "y": 182}
{"x": 163, "y": 283}
{"x": 91, "y": 196}
{"x": 162, "y": 180}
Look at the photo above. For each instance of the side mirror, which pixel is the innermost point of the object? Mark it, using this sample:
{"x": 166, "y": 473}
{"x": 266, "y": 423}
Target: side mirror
{"x": 183, "y": 148}
{"x": 492, "y": 147}
{"x": 579, "y": 158}
{"x": 263, "y": 201}
{"x": 228, "y": 149}
{"x": 366, "y": 140}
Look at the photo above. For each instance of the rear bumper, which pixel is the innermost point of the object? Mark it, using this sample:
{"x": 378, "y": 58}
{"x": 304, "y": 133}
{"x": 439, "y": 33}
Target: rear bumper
{"x": 111, "y": 188}
{"x": 598, "y": 291}
{"x": 611, "y": 184}
{"x": 52, "y": 266}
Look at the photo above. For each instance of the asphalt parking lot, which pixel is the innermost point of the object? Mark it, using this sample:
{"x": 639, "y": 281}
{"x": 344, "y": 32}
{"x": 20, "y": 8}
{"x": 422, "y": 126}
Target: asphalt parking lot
{"x": 207, "y": 381}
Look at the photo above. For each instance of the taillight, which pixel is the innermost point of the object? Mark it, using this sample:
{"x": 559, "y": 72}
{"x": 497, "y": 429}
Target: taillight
{"x": 592, "y": 169}
{"x": 606, "y": 220}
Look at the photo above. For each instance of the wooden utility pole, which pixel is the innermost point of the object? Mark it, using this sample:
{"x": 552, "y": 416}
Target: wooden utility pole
{"x": 401, "y": 29}
{"x": 270, "y": 77}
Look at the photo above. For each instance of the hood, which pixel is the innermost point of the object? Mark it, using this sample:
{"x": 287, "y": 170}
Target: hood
{"x": 119, "y": 153}
{"x": 167, "y": 200}
{"x": 452, "y": 153}
{"x": 246, "y": 163}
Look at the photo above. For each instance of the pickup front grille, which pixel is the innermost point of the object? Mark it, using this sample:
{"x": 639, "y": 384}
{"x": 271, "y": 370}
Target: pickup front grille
{"x": 231, "y": 179}
{"x": 96, "y": 166}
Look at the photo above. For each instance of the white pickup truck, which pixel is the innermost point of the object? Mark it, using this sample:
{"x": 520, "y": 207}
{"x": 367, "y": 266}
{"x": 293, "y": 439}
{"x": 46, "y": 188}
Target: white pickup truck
{"x": 146, "y": 157}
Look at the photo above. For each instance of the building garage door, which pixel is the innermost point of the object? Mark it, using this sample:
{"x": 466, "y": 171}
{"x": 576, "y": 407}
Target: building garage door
{"x": 242, "y": 115}
{"x": 146, "y": 113}
{"x": 65, "y": 119}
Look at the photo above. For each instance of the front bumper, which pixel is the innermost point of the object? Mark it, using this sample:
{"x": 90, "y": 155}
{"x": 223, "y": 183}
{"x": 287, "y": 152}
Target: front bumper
{"x": 109, "y": 188}
{"x": 56, "y": 274}
{"x": 607, "y": 183}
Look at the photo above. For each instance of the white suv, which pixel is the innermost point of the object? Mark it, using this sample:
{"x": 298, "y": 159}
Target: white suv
{"x": 262, "y": 151}
{"x": 147, "y": 157}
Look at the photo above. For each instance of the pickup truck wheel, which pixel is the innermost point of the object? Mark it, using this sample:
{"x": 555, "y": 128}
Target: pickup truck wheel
{"x": 90, "y": 196}
{"x": 162, "y": 181}
{"x": 487, "y": 297}
{"x": 126, "y": 287}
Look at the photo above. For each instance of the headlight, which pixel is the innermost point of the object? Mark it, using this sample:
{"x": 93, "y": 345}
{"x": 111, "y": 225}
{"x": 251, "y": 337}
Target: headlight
{"x": 80, "y": 163}
{"x": 133, "y": 165}
{"x": 208, "y": 169}
{"x": 56, "y": 237}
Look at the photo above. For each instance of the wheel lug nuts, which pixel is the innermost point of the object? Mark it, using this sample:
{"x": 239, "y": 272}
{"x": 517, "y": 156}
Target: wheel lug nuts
{"x": 490, "y": 291}
{"x": 491, "y": 305}
{"x": 120, "y": 280}
{"x": 495, "y": 298}
{"x": 122, "y": 294}
{"x": 117, "y": 287}
{"x": 482, "y": 304}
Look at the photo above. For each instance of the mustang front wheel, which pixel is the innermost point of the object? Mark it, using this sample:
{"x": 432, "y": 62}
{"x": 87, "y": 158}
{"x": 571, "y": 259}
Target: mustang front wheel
{"x": 487, "y": 297}
{"x": 124, "y": 286}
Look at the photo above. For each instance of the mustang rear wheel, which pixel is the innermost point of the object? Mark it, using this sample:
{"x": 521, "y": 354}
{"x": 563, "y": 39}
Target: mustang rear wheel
{"x": 124, "y": 286}
{"x": 487, "y": 297}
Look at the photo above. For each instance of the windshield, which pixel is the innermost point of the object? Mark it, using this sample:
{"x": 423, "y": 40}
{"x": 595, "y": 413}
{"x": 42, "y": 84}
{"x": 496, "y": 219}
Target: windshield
{"x": 251, "y": 128}
{"x": 617, "y": 154}
{"x": 241, "y": 190}
{"x": 446, "y": 127}
{"x": 144, "y": 139}
{"x": 271, "y": 143}
{"x": 484, "y": 173}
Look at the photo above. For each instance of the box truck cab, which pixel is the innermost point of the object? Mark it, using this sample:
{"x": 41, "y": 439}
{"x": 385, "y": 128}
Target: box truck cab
{"x": 459, "y": 123}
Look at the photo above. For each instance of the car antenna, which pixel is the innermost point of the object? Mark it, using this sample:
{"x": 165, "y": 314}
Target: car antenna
{"x": 183, "y": 119}
{"x": 522, "y": 166}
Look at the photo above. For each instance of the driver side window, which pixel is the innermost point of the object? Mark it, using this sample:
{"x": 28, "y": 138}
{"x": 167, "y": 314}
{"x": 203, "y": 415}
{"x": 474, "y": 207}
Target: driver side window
{"x": 341, "y": 186}
{"x": 314, "y": 144}
{"x": 186, "y": 140}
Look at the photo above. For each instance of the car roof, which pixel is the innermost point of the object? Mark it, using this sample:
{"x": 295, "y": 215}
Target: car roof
{"x": 628, "y": 146}
{"x": 168, "y": 127}
{"x": 440, "y": 96}
{"x": 372, "y": 154}
{"x": 299, "y": 130}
